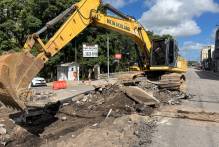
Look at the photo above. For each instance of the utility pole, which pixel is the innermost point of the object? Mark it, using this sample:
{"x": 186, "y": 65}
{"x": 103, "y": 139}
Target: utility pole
{"x": 108, "y": 68}
{"x": 76, "y": 51}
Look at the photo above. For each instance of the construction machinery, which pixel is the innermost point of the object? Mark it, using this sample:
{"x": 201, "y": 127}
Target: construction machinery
{"x": 18, "y": 69}
{"x": 166, "y": 67}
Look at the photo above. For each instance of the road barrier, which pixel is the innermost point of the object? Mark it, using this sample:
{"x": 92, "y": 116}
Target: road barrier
{"x": 57, "y": 85}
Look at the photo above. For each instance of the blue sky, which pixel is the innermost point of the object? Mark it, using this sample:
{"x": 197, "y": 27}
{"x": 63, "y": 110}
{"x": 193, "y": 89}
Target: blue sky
{"x": 192, "y": 22}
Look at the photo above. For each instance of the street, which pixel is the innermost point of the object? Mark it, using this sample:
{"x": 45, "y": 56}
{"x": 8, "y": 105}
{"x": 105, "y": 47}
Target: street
{"x": 176, "y": 132}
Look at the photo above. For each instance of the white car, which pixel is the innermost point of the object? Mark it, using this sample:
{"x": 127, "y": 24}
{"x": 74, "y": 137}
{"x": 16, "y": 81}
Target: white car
{"x": 38, "y": 81}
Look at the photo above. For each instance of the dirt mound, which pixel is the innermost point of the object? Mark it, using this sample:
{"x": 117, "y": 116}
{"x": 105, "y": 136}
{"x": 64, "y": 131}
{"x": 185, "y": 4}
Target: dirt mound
{"x": 83, "y": 120}
{"x": 131, "y": 130}
{"x": 73, "y": 116}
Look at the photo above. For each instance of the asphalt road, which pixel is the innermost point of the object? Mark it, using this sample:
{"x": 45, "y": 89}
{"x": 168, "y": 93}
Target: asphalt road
{"x": 174, "y": 132}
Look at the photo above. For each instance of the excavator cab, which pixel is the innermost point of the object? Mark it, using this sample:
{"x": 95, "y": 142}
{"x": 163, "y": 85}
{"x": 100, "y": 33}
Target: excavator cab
{"x": 164, "y": 52}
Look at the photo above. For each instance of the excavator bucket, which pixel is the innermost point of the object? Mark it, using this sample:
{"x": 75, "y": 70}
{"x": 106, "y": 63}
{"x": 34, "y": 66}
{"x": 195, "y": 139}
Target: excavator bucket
{"x": 16, "y": 72}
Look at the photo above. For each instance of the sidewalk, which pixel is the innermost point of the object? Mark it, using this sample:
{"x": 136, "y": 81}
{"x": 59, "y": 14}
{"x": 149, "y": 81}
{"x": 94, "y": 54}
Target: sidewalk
{"x": 49, "y": 95}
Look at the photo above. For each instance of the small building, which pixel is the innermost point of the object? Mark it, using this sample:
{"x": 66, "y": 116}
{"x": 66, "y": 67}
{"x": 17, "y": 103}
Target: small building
{"x": 68, "y": 72}
{"x": 206, "y": 57}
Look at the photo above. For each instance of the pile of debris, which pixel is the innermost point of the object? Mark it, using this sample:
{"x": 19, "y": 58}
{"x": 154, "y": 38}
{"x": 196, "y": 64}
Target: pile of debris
{"x": 165, "y": 96}
{"x": 170, "y": 97}
{"x": 3, "y": 134}
{"x": 129, "y": 130}
{"x": 148, "y": 86}
{"x": 109, "y": 101}
{"x": 10, "y": 133}
{"x": 111, "y": 98}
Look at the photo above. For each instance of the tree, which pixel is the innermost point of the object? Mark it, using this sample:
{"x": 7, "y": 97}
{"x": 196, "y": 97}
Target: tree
{"x": 23, "y": 17}
{"x": 16, "y": 21}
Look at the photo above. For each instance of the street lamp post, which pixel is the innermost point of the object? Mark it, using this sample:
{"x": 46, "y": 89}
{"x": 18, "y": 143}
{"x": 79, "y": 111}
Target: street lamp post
{"x": 76, "y": 60}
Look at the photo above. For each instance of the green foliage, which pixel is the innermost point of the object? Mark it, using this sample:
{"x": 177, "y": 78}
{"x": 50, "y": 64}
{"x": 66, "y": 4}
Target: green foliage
{"x": 193, "y": 63}
{"x": 19, "y": 18}
{"x": 153, "y": 36}
{"x": 15, "y": 23}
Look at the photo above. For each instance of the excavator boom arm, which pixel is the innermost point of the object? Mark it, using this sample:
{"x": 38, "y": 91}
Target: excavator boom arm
{"x": 129, "y": 27}
{"x": 86, "y": 13}
{"x": 18, "y": 69}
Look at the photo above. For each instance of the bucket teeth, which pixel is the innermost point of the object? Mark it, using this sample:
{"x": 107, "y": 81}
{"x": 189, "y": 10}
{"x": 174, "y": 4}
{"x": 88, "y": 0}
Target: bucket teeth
{"x": 16, "y": 72}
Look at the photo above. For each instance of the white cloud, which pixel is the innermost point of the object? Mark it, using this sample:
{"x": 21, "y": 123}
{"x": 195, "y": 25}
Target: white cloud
{"x": 190, "y": 45}
{"x": 119, "y": 3}
{"x": 176, "y": 17}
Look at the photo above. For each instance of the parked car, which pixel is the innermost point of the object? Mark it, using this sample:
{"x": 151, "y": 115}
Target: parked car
{"x": 38, "y": 81}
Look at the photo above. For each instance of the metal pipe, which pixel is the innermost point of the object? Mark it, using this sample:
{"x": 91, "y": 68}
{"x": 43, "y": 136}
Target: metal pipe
{"x": 54, "y": 21}
{"x": 117, "y": 12}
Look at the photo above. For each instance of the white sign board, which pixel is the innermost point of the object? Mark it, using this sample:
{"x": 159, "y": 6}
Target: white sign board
{"x": 90, "y": 51}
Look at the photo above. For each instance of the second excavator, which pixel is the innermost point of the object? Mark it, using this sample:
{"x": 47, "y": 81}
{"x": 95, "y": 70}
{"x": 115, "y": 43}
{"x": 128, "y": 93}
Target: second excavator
{"x": 156, "y": 58}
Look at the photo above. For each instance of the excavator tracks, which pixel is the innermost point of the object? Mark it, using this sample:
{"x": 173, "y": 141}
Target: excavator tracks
{"x": 172, "y": 81}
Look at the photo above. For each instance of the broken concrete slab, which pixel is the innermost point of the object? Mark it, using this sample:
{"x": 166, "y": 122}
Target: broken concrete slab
{"x": 103, "y": 83}
{"x": 140, "y": 96}
{"x": 3, "y": 131}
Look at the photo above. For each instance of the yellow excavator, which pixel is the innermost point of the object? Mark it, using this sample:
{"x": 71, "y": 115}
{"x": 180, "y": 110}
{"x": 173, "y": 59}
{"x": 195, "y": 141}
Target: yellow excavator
{"x": 18, "y": 69}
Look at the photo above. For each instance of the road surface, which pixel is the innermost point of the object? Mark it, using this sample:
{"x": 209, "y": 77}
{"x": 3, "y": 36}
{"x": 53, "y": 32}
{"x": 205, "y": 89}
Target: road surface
{"x": 175, "y": 132}
{"x": 61, "y": 95}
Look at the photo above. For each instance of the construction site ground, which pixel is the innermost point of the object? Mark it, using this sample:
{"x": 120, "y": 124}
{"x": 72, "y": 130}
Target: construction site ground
{"x": 108, "y": 117}
{"x": 45, "y": 95}
{"x": 198, "y": 126}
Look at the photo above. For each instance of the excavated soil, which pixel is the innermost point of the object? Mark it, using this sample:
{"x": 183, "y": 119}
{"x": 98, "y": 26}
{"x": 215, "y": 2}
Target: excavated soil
{"x": 58, "y": 121}
{"x": 129, "y": 130}
{"x": 107, "y": 112}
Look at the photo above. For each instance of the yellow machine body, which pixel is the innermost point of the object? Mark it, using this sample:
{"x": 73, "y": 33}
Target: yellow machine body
{"x": 18, "y": 69}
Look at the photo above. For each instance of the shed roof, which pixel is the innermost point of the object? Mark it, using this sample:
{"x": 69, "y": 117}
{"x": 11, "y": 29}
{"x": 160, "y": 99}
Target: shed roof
{"x": 69, "y": 64}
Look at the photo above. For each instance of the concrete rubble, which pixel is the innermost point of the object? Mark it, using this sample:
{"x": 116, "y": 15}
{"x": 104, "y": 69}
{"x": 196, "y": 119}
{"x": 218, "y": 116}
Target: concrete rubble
{"x": 140, "y": 96}
{"x": 107, "y": 104}
{"x": 130, "y": 130}
{"x": 3, "y": 135}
